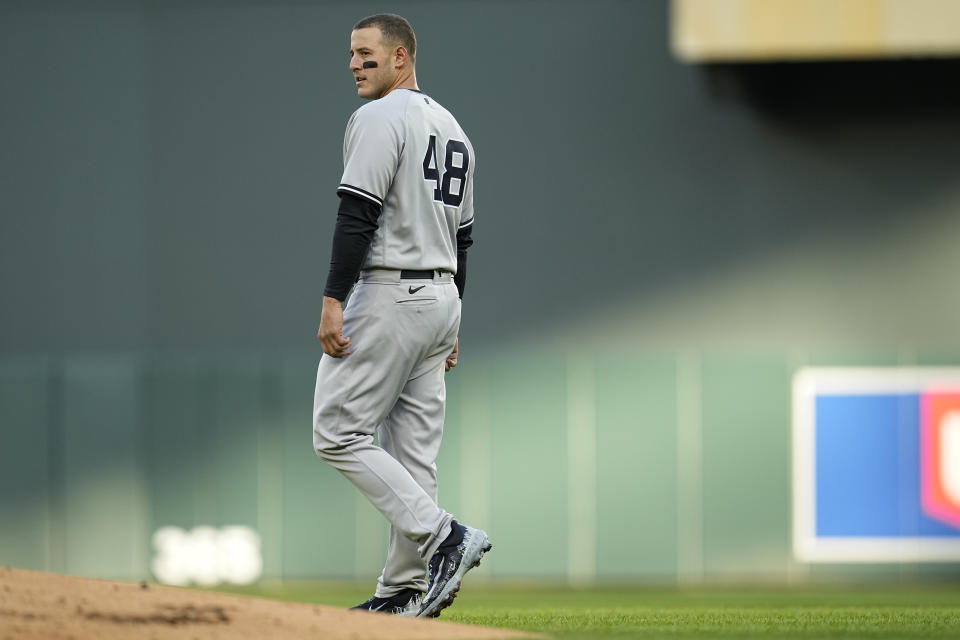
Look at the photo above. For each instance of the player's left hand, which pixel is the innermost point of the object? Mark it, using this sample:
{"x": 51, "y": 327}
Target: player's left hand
{"x": 330, "y": 333}
{"x": 452, "y": 358}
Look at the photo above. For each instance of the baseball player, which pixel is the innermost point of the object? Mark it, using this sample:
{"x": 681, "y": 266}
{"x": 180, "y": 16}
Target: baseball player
{"x": 403, "y": 229}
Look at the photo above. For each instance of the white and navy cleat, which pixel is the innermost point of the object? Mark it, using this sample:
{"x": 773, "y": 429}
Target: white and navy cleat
{"x": 406, "y": 604}
{"x": 447, "y": 568}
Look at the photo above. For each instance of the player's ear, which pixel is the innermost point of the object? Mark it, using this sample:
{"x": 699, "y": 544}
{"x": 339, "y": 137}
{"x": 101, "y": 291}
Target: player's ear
{"x": 400, "y": 57}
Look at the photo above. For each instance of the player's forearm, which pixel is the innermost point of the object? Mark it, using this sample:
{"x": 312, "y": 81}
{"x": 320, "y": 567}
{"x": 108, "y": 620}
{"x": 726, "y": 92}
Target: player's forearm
{"x": 460, "y": 278}
{"x": 464, "y": 242}
{"x": 356, "y": 224}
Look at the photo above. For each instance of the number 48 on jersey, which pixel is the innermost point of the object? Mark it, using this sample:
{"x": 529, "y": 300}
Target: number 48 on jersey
{"x": 431, "y": 171}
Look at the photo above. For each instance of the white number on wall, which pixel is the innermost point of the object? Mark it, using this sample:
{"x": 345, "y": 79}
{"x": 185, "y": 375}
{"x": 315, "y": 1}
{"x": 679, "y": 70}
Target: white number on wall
{"x": 207, "y": 556}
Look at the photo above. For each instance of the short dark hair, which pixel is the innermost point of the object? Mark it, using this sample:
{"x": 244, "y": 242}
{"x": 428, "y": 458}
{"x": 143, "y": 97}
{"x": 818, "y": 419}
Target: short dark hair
{"x": 395, "y": 29}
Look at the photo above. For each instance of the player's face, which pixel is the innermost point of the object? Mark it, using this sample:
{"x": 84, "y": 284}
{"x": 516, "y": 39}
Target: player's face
{"x": 367, "y": 44}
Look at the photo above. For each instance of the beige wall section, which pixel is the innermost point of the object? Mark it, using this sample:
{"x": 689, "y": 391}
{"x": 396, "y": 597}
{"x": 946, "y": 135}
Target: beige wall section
{"x": 924, "y": 26}
{"x": 705, "y": 30}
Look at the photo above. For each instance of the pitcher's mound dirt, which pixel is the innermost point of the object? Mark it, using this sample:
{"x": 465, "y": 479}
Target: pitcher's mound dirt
{"x": 47, "y": 605}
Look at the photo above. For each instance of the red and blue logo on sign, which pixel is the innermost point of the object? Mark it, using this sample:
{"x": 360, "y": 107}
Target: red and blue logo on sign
{"x": 877, "y": 465}
{"x": 940, "y": 456}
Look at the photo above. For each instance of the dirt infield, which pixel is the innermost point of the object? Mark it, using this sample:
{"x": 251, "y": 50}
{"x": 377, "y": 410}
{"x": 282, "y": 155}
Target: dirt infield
{"x": 47, "y": 605}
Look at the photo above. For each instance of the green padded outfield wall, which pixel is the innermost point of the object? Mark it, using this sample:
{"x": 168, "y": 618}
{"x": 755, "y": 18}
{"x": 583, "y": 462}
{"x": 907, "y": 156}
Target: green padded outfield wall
{"x": 658, "y": 248}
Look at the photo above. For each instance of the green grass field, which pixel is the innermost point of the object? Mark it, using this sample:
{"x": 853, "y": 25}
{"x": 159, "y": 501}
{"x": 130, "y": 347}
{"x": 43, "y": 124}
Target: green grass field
{"x": 902, "y": 611}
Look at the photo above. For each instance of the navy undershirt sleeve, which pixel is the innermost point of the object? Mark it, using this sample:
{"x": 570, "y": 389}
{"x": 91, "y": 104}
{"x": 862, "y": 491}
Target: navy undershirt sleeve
{"x": 464, "y": 242}
{"x": 357, "y": 221}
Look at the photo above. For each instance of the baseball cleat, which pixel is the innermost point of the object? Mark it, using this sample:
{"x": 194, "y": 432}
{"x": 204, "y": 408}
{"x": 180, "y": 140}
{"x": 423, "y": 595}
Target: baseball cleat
{"x": 447, "y": 568}
{"x": 406, "y": 603}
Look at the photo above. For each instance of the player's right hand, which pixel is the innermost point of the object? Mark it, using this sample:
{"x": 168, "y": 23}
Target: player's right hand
{"x": 451, "y": 360}
{"x": 330, "y": 333}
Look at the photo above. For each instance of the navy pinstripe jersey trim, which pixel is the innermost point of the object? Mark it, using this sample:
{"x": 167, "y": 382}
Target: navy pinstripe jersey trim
{"x": 466, "y": 224}
{"x": 349, "y": 188}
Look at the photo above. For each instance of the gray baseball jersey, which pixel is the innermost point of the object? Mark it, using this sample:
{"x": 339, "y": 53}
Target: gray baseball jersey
{"x": 408, "y": 154}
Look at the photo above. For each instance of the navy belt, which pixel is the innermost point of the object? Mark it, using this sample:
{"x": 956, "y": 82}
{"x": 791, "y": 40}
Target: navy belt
{"x": 410, "y": 274}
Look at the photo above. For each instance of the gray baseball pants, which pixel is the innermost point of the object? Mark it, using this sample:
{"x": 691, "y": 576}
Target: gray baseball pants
{"x": 392, "y": 385}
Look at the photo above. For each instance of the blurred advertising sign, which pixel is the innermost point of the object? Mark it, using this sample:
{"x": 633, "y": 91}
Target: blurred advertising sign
{"x": 876, "y": 464}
